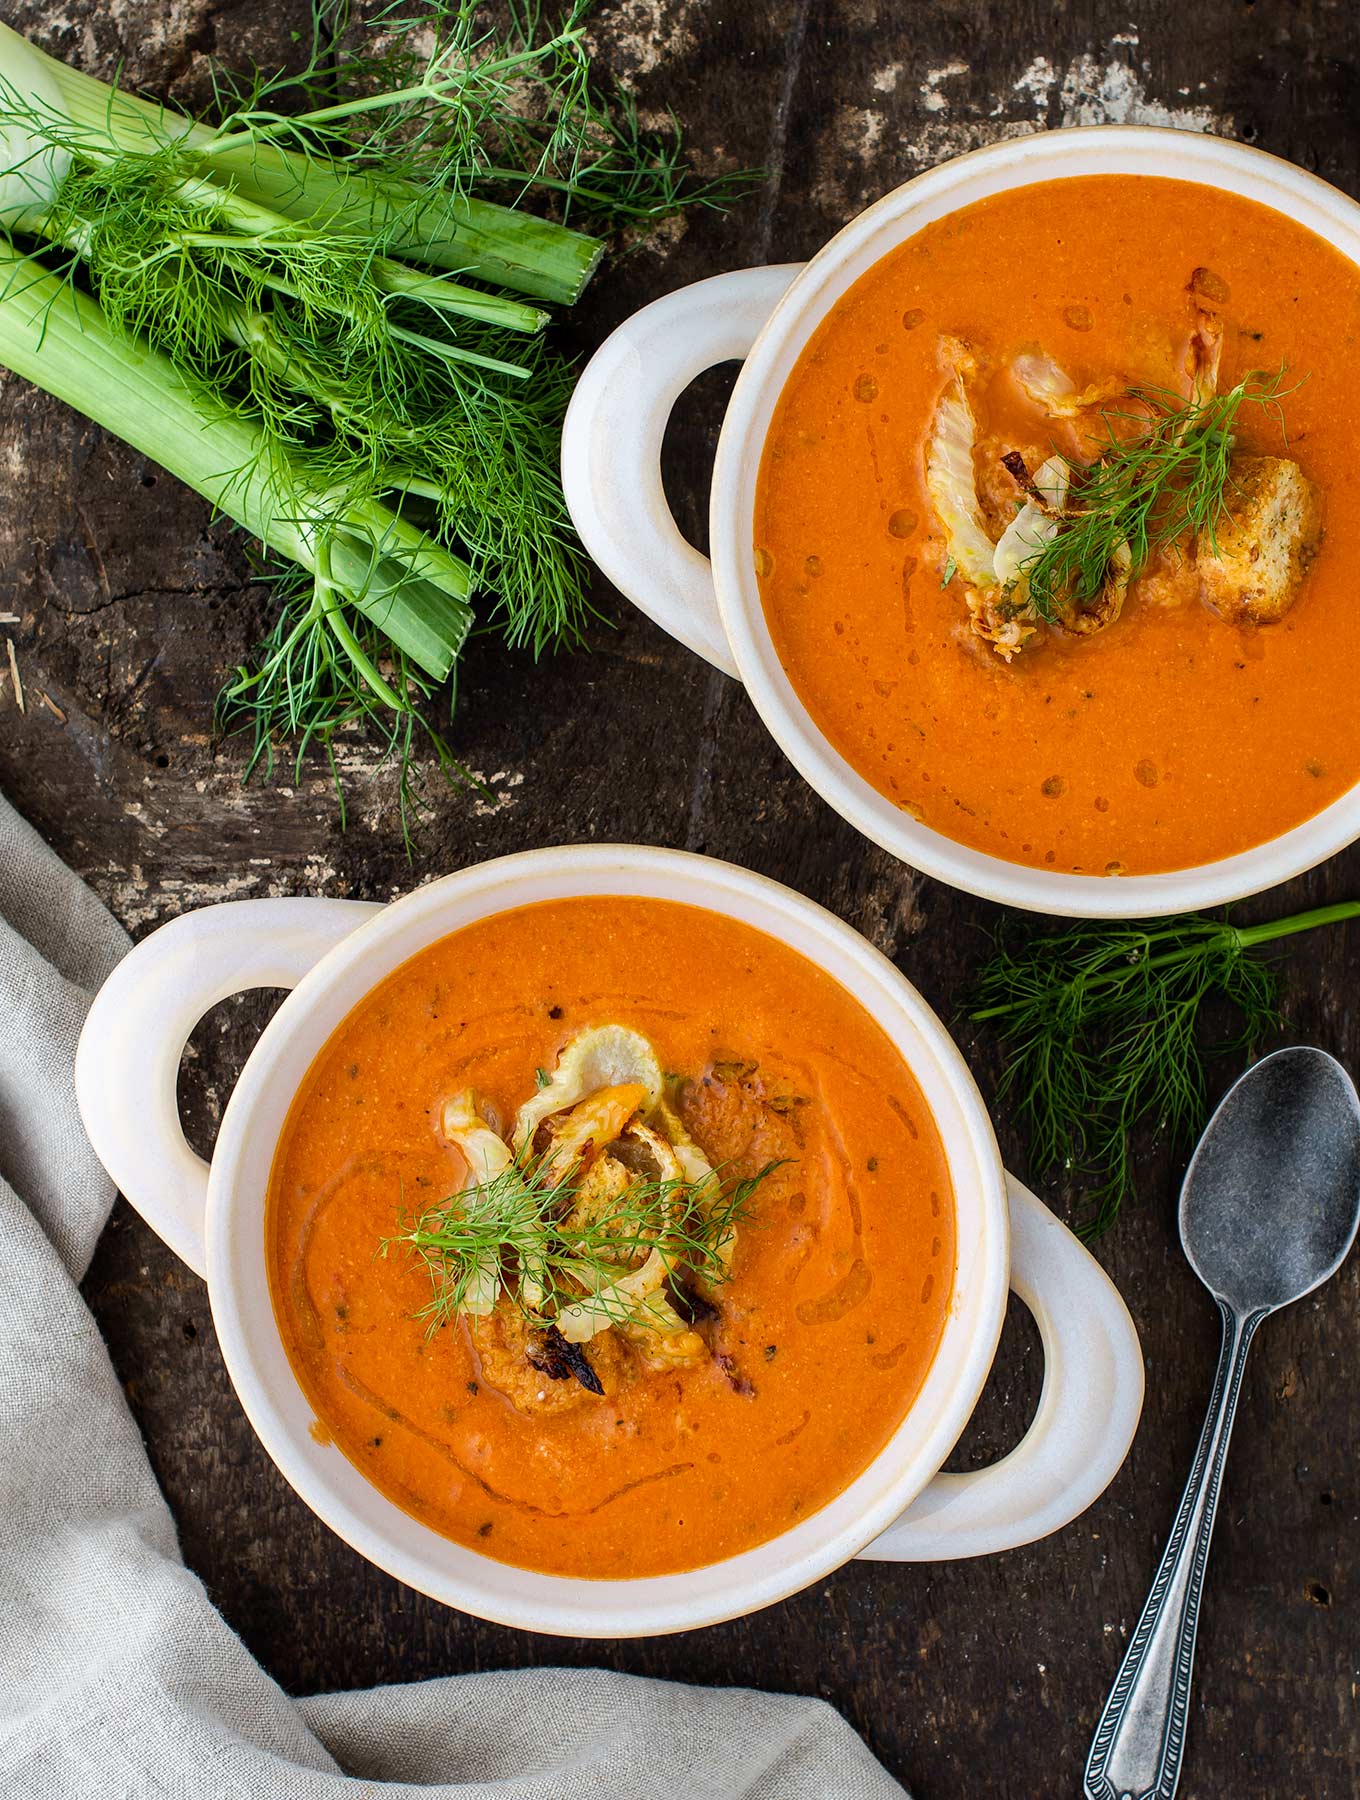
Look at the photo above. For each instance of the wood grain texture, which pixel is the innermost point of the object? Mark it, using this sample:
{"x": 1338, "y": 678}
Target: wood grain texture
{"x": 982, "y": 1677}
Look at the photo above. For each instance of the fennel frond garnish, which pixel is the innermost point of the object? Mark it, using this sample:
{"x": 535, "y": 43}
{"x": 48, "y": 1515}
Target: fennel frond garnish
{"x": 1099, "y": 1023}
{"x": 1162, "y": 477}
{"x": 519, "y": 1224}
{"x": 338, "y": 280}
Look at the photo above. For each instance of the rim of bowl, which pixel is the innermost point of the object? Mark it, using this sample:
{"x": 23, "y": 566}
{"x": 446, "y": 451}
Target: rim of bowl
{"x": 1198, "y": 158}
{"x": 358, "y": 1511}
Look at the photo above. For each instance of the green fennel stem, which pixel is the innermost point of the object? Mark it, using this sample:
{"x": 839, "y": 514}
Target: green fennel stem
{"x": 354, "y": 650}
{"x": 492, "y": 243}
{"x": 59, "y": 339}
{"x": 1246, "y": 936}
{"x": 435, "y": 89}
{"x": 256, "y": 223}
{"x": 495, "y": 244}
{"x": 1306, "y": 921}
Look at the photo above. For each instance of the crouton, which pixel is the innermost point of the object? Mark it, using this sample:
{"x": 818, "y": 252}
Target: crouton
{"x": 1251, "y": 569}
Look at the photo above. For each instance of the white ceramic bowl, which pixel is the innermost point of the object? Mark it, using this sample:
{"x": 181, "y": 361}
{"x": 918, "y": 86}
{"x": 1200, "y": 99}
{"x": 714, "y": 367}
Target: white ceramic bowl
{"x": 331, "y": 953}
{"x": 611, "y": 470}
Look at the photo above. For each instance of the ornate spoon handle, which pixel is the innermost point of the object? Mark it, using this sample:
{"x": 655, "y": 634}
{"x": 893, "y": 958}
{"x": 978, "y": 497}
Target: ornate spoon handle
{"x": 1139, "y": 1742}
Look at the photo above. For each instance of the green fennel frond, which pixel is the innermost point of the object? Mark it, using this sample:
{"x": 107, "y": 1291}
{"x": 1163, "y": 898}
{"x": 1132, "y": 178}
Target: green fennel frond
{"x": 522, "y": 1221}
{"x": 433, "y": 98}
{"x": 1100, "y": 1024}
{"x": 305, "y": 688}
{"x": 1162, "y": 475}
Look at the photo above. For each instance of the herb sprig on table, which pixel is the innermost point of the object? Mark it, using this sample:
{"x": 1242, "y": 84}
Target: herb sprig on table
{"x": 1100, "y": 1028}
{"x": 1162, "y": 476}
{"x": 325, "y": 311}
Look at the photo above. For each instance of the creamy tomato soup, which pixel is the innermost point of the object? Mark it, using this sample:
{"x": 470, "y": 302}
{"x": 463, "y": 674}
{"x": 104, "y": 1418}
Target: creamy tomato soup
{"x": 1212, "y": 706}
{"x": 799, "y": 1350}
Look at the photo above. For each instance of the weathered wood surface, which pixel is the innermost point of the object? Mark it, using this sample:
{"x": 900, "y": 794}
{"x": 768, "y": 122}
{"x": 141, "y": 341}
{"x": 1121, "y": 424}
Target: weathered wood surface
{"x": 984, "y": 1677}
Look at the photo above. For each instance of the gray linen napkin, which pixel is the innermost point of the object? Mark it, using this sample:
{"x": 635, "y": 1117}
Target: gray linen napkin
{"x": 118, "y": 1680}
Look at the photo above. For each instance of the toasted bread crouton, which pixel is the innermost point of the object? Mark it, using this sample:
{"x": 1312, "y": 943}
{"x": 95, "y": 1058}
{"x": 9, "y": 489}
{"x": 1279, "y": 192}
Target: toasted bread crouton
{"x": 1265, "y": 544}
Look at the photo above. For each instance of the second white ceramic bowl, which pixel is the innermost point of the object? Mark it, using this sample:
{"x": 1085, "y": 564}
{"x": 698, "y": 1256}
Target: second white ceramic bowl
{"x": 331, "y": 953}
{"x": 611, "y": 470}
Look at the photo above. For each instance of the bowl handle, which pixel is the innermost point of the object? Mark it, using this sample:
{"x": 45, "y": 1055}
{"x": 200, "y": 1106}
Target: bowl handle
{"x": 127, "y": 1061}
{"x": 611, "y": 445}
{"x": 1088, "y": 1410}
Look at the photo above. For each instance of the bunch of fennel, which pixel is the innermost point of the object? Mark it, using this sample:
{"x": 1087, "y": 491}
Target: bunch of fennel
{"x": 312, "y": 314}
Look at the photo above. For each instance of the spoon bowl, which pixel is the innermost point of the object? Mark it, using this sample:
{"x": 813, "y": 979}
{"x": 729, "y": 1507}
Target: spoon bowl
{"x": 1271, "y": 1199}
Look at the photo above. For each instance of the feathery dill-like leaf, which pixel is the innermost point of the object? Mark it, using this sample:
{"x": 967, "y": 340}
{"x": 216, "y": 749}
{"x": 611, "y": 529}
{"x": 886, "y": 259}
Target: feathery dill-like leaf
{"x": 1100, "y": 1027}
{"x": 523, "y": 1218}
{"x": 1163, "y": 474}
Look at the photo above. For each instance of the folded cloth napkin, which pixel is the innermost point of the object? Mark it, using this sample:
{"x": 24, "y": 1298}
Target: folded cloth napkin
{"x": 118, "y": 1680}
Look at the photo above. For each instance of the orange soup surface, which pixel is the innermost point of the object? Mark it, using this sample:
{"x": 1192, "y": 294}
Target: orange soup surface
{"x": 1171, "y": 738}
{"x": 841, "y": 1280}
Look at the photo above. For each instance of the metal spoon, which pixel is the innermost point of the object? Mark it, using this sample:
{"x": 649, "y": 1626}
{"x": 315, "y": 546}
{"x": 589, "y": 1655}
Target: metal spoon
{"x": 1268, "y": 1211}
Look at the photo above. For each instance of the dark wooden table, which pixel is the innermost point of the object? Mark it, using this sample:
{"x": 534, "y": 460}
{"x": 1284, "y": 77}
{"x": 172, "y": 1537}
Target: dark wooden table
{"x": 981, "y": 1677}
